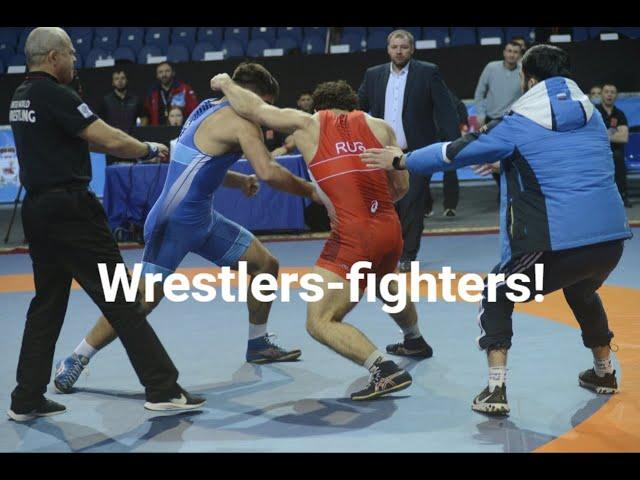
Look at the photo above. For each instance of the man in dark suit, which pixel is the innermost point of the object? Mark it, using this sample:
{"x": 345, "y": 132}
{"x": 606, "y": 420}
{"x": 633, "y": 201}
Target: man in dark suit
{"x": 413, "y": 98}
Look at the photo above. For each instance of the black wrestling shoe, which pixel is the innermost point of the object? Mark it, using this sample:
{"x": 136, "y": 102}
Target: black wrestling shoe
{"x": 47, "y": 408}
{"x": 492, "y": 403}
{"x": 411, "y": 347}
{"x": 386, "y": 377}
{"x": 607, "y": 384}
{"x": 183, "y": 401}
{"x": 449, "y": 212}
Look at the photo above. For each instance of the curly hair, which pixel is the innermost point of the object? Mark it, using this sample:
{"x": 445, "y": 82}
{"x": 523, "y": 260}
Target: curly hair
{"x": 256, "y": 78}
{"x": 335, "y": 95}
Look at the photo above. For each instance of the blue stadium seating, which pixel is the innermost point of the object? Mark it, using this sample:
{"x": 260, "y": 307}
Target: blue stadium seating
{"x": 488, "y": 32}
{"x": 579, "y": 34}
{"x": 377, "y": 41}
{"x": 132, "y": 37}
{"x": 256, "y": 47}
{"x": 23, "y": 38}
{"x": 153, "y": 50}
{"x": 439, "y": 34}
{"x": 632, "y": 152}
{"x": 321, "y": 31}
{"x": 184, "y": 36}
{"x": 631, "y": 32}
{"x": 415, "y": 31}
{"x": 94, "y": 55}
{"x": 82, "y": 41}
{"x": 385, "y": 30}
{"x": 362, "y": 31}
{"x": 287, "y": 44}
{"x": 124, "y": 53}
{"x": 463, "y": 36}
{"x": 197, "y": 55}
{"x": 354, "y": 40}
{"x": 266, "y": 33}
{"x": 6, "y": 52}
{"x": 158, "y": 36}
{"x": 510, "y": 32}
{"x": 233, "y": 47}
{"x": 291, "y": 32}
{"x": 237, "y": 33}
{"x": 313, "y": 44}
{"x": 177, "y": 53}
{"x": 8, "y": 37}
{"x": 79, "y": 63}
{"x": 212, "y": 35}
{"x": 106, "y": 38}
{"x": 17, "y": 59}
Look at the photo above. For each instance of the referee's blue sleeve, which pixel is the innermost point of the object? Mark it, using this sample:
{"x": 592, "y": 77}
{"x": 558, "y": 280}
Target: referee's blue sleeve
{"x": 471, "y": 149}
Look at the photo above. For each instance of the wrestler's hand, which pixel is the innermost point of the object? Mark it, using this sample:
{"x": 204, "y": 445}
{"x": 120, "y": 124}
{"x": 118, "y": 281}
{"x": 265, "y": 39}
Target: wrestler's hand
{"x": 486, "y": 169}
{"x": 315, "y": 197}
{"x": 250, "y": 186}
{"x": 381, "y": 157}
{"x": 218, "y": 82}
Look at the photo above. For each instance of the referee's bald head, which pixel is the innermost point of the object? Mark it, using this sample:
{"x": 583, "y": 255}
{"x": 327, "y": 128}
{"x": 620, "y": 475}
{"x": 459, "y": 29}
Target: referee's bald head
{"x": 50, "y": 49}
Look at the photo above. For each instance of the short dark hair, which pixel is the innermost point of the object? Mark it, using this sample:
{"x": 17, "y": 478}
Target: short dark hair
{"x": 545, "y": 61}
{"x": 513, "y": 43}
{"x": 119, "y": 70}
{"x": 166, "y": 63}
{"x": 335, "y": 95}
{"x": 256, "y": 78}
{"x": 609, "y": 84}
{"x": 305, "y": 93}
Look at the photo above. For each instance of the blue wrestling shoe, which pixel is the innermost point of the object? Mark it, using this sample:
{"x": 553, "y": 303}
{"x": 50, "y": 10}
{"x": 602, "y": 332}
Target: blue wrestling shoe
{"x": 263, "y": 350}
{"x": 68, "y": 371}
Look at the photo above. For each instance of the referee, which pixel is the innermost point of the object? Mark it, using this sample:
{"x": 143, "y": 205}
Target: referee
{"x": 67, "y": 230}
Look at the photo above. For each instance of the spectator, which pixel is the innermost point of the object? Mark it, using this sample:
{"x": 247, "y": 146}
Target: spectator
{"x": 166, "y": 93}
{"x": 288, "y": 147}
{"x": 176, "y": 119}
{"x": 305, "y": 102}
{"x": 618, "y": 129}
{"x": 595, "y": 94}
{"x": 522, "y": 43}
{"x": 498, "y": 87}
{"x": 120, "y": 108}
{"x": 412, "y": 97}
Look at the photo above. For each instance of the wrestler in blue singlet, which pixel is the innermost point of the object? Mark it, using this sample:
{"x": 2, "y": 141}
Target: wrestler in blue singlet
{"x": 183, "y": 219}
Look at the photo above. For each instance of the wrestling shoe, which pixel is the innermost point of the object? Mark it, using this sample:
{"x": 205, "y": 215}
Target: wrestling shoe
{"x": 68, "y": 371}
{"x": 386, "y": 377}
{"x": 449, "y": 212}
{"x": 263, "y": 350}
{"x": 607, "y": 384}
{"x": 492, "y": 403}
{"x": 183, "y": 401}
{"x": 411, "y": 347}
{"x": 47, "y": 408}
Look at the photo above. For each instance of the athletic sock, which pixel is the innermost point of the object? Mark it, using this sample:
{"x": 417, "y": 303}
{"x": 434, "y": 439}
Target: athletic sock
{"x": 85, "y": 350}
{"x": 411, "y": 332}
{"x": 374, "y": 358}
{"x": 603, "y": 367}
{"x": 256, "y": 331}
{"x": 497, "y": 377}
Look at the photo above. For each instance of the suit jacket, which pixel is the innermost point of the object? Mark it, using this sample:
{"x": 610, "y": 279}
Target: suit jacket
{"x": 428, "y": 107}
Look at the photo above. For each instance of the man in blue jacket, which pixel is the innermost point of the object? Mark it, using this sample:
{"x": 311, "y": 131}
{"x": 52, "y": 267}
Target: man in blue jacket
{"x": 559, "y": 207}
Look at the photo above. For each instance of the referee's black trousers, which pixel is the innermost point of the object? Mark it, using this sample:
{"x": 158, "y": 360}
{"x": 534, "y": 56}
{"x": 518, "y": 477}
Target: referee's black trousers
{"x": 579, "y": 272}
{"x": 68, "y": 236}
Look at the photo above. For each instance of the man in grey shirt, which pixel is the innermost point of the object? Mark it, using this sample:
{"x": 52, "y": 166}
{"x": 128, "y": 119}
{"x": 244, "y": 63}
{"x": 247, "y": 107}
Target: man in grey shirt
{"x": 499, "y": 85}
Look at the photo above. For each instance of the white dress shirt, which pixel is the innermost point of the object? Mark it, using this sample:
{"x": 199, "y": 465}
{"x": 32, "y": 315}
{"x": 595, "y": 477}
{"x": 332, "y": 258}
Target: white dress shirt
{"x": 393, "y": 101}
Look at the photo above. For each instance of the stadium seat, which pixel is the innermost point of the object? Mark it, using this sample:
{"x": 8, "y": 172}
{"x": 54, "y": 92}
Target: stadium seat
{"x": 106, "y": 38}
{"x": 385, "y": 30}
{"x": 82, "y": 41}
{"x": 632, "y": 153}
{"x": 94, "y": 55}
{"x": 256, "y": 47}
{"x": 8, "y": 37}
{"x": 579, "y": 34}
{"x": 287, "y": 44}
{"x": 158, "y": 36}
{"x": 415, "y": 31}
{"x": 17, "y": 59}
{"x": 362, "y": 31}
{"x": 184, "y": 36}
{"x": 631, "y": 32}
{"x": 240, "y": 34}
{"x": 132, "y": 37}
{"x": 177, "y": 53}
{"x": 525, "y": 32}
{"x": 149, "y": 50}
{"x": 291, "y": 32}
{"x": 321, "y": 31}
{"x": 463, "y": 36}
{"x": 490, "y": 32}
{"x": 233, "y": 48}
{"x": 439, "y": 34}
{"x": 6, "y": 52}
{"x": 266, "y": 33}
{"x": 356, "y": 41}
{"x": 377, "y": 41}
{"x": 313, "y": 45}
{"x": 197, "y": 55}
{"x": 124, "y": 53}
{"x": 212, "y": 35}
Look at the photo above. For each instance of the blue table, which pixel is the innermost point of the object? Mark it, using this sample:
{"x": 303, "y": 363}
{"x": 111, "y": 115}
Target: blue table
{"x": 131, "y": 190}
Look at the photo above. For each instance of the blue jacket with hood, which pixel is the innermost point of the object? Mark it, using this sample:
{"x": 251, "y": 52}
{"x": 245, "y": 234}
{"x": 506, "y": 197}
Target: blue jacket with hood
{"x": 557, "y": 172}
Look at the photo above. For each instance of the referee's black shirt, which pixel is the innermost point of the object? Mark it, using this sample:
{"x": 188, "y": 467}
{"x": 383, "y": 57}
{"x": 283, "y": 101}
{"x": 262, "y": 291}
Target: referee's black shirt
{"x": 46, "y": 118}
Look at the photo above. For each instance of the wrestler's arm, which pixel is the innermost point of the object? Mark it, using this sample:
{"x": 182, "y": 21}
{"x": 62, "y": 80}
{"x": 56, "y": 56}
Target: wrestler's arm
{"x": 250, "y": 106}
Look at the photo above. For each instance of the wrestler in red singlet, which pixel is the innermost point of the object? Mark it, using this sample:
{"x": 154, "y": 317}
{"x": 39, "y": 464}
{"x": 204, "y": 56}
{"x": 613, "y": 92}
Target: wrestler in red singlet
{"x": 365, "y": 224}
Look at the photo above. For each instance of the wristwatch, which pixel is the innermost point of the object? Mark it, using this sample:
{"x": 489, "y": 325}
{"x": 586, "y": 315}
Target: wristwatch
{"x": 152, "y": 153}
{"x": 396, "y": 163}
